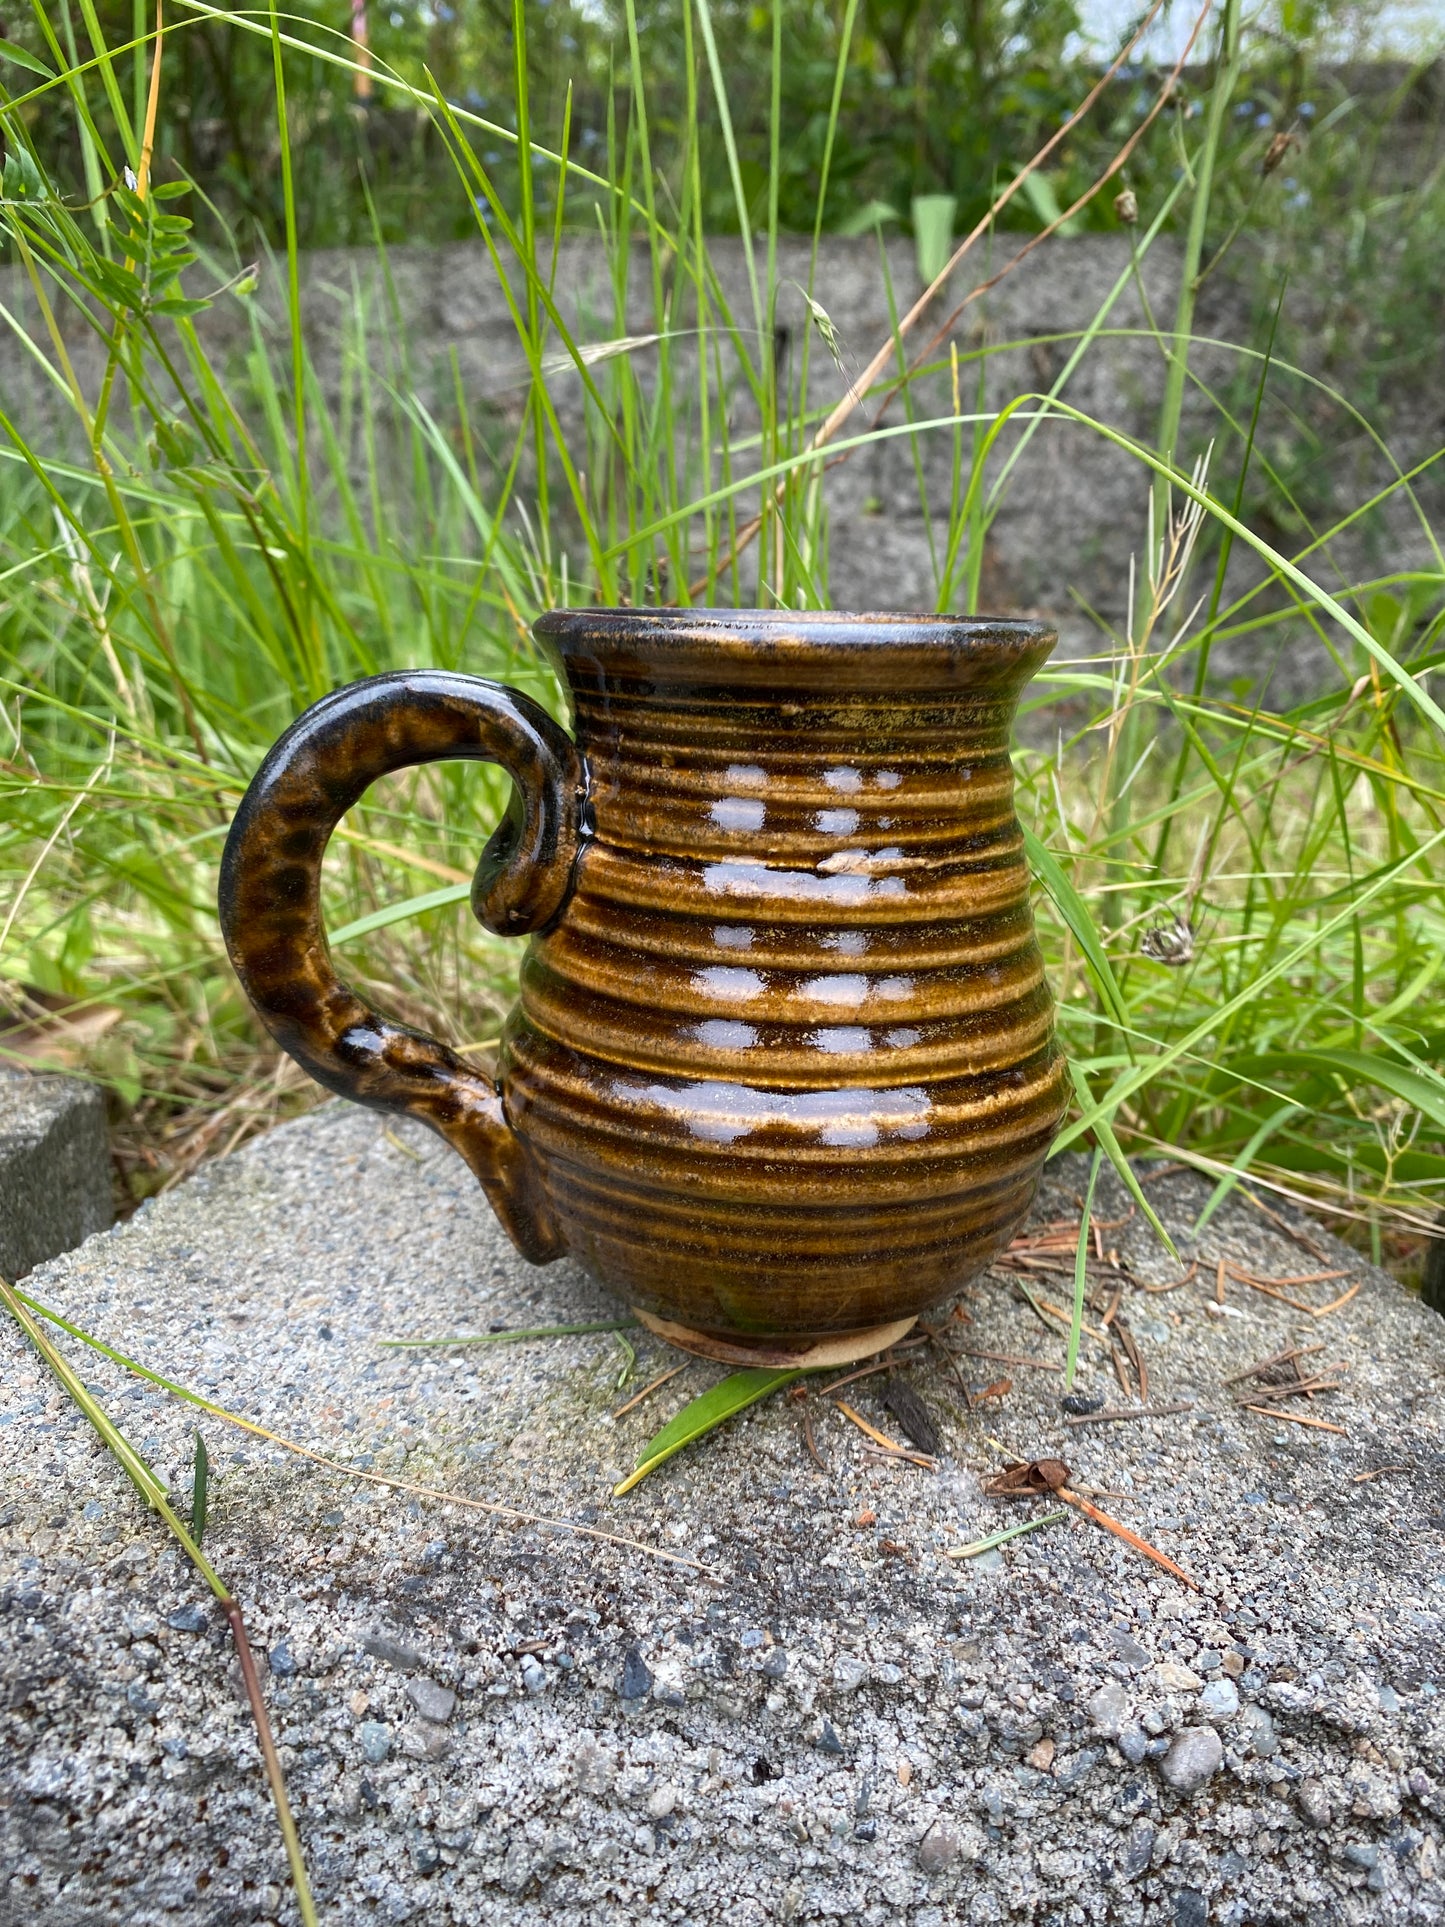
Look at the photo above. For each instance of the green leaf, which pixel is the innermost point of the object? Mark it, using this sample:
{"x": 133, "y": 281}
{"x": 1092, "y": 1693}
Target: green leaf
{"x": 864, "y": 219}
{"x": 1421, "y": 1090}
{"x": 23, "y": 180}
{"x": 116, "y": 284}
{"x": 173, "y": 444}
{"x": 704, "y": 1414}
{"x": 1405, "y": 1167}
{"x": 1103, "y": 1129}
{"x": 22, "y": 58}
{"x": 200, "y": 1484}
{"x": 1075, "y": 913}
{"x": 399, "y": 912}
{"x": 1040, "y": 194}
{"x": 179, "y": 307}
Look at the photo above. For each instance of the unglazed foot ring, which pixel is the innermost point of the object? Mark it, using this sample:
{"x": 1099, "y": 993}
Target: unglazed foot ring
{"x": 801, "y": 1354}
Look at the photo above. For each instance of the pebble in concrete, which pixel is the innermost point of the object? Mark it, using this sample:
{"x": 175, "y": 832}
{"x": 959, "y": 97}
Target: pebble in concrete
{"x": 1108, "y": 1708}
{"x": 939, "y": 1847}
{"x": 919, "y": 1693}
{"x": 1219, "y": 1700}
{"x": 433, "y": 1702}
{"x": 1194, "y": 1757}
{"x": 534, "y": 1673}
{"x": 1313, "y": 1803}
{"x": 636, "y": 1675}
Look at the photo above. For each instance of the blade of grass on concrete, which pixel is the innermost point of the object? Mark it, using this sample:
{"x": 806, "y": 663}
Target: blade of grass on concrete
{"x": 200, "y": 1489}
{"x": 1002, "y": 1538}
{"x": 144, "y": 1477}
{"x": 1081, "y": 1272}
{"x": 154, "y": 1493}
{"x": 510, "y": 1337}
{"x": 704, "y": 1414}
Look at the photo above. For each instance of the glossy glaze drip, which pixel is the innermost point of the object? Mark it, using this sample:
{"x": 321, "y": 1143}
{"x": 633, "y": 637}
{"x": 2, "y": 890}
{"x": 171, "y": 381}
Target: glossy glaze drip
{"x": 787, "y": 1059}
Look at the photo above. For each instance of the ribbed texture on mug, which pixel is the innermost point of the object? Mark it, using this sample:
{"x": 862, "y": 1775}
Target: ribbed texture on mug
{"x": 787, "y": 1061}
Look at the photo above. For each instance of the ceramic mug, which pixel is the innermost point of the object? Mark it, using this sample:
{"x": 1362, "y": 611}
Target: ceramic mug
{"x": 782, "y": 1073}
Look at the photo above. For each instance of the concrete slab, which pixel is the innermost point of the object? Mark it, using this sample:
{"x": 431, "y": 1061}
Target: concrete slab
{"x": 54, "y": 1168}
{"x": 487, "y": 1720}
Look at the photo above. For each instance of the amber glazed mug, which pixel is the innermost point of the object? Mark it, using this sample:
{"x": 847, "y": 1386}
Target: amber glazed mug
{"x": 783, "y": 1072}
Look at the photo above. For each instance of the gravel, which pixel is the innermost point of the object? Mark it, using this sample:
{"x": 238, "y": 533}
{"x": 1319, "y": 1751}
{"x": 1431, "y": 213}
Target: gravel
{"x": 433, "y": 1702}
{"x": 1219, "y": 1700}
{"x": 1052, "y": 1739}
{"x": 1193, "y": 1759}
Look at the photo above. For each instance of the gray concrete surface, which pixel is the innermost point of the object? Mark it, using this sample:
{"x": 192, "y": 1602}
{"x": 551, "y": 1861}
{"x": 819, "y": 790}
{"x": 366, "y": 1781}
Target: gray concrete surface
{"x": 486, "y": 1720}
{"x": 54, "y": 1168}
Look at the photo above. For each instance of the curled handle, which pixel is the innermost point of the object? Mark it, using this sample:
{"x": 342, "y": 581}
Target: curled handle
{"x": 270, "y": 902}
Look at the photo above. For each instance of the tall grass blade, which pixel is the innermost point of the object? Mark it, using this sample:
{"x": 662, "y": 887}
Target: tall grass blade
{"x": 1081, "y": 1273}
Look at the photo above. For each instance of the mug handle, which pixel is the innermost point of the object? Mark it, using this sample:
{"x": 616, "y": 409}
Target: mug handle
{"x": 271, "y": 909}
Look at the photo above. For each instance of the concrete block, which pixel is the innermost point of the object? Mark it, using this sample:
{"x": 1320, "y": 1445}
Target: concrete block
{"x": 54, "y": 1168}
{"x": 756, "y": 1689}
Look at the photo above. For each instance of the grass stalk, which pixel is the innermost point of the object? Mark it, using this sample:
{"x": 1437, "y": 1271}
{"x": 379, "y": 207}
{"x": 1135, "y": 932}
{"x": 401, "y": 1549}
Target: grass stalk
{"x": 150, "y": 1488}
{"x": 201, "y": 548}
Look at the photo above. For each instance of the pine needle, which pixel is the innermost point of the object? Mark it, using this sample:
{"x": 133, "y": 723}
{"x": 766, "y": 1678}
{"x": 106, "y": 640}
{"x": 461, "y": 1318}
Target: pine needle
{"x": 1121, "y": 1531}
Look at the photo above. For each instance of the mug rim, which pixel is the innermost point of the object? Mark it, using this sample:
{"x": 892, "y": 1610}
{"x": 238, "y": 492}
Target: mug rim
{"x": 796, "y": 629}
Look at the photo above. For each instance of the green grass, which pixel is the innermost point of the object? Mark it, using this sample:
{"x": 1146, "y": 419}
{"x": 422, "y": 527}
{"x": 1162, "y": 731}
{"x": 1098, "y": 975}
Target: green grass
{"x": 1240, "y": 905}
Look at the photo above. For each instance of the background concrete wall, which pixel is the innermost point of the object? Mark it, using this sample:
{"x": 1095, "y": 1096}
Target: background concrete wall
{"x": 1075, "y": 510}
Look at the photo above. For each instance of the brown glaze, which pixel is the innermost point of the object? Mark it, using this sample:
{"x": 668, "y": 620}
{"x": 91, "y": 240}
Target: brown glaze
{"x": 783, "y": 1063}
{"x": 271, "y": 910}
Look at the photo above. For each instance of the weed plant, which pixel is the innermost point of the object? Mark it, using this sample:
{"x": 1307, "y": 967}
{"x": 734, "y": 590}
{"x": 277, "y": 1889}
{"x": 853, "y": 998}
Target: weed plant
{"x": 1240, "y": 904}
{"x": 948, "y": 98}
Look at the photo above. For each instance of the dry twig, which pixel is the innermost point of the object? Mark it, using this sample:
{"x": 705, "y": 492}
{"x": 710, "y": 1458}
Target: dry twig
{"x": 648, "y": 1390}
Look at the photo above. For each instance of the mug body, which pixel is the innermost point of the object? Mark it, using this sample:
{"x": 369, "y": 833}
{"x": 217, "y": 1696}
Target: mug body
{"x": 786, "y": 1061}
